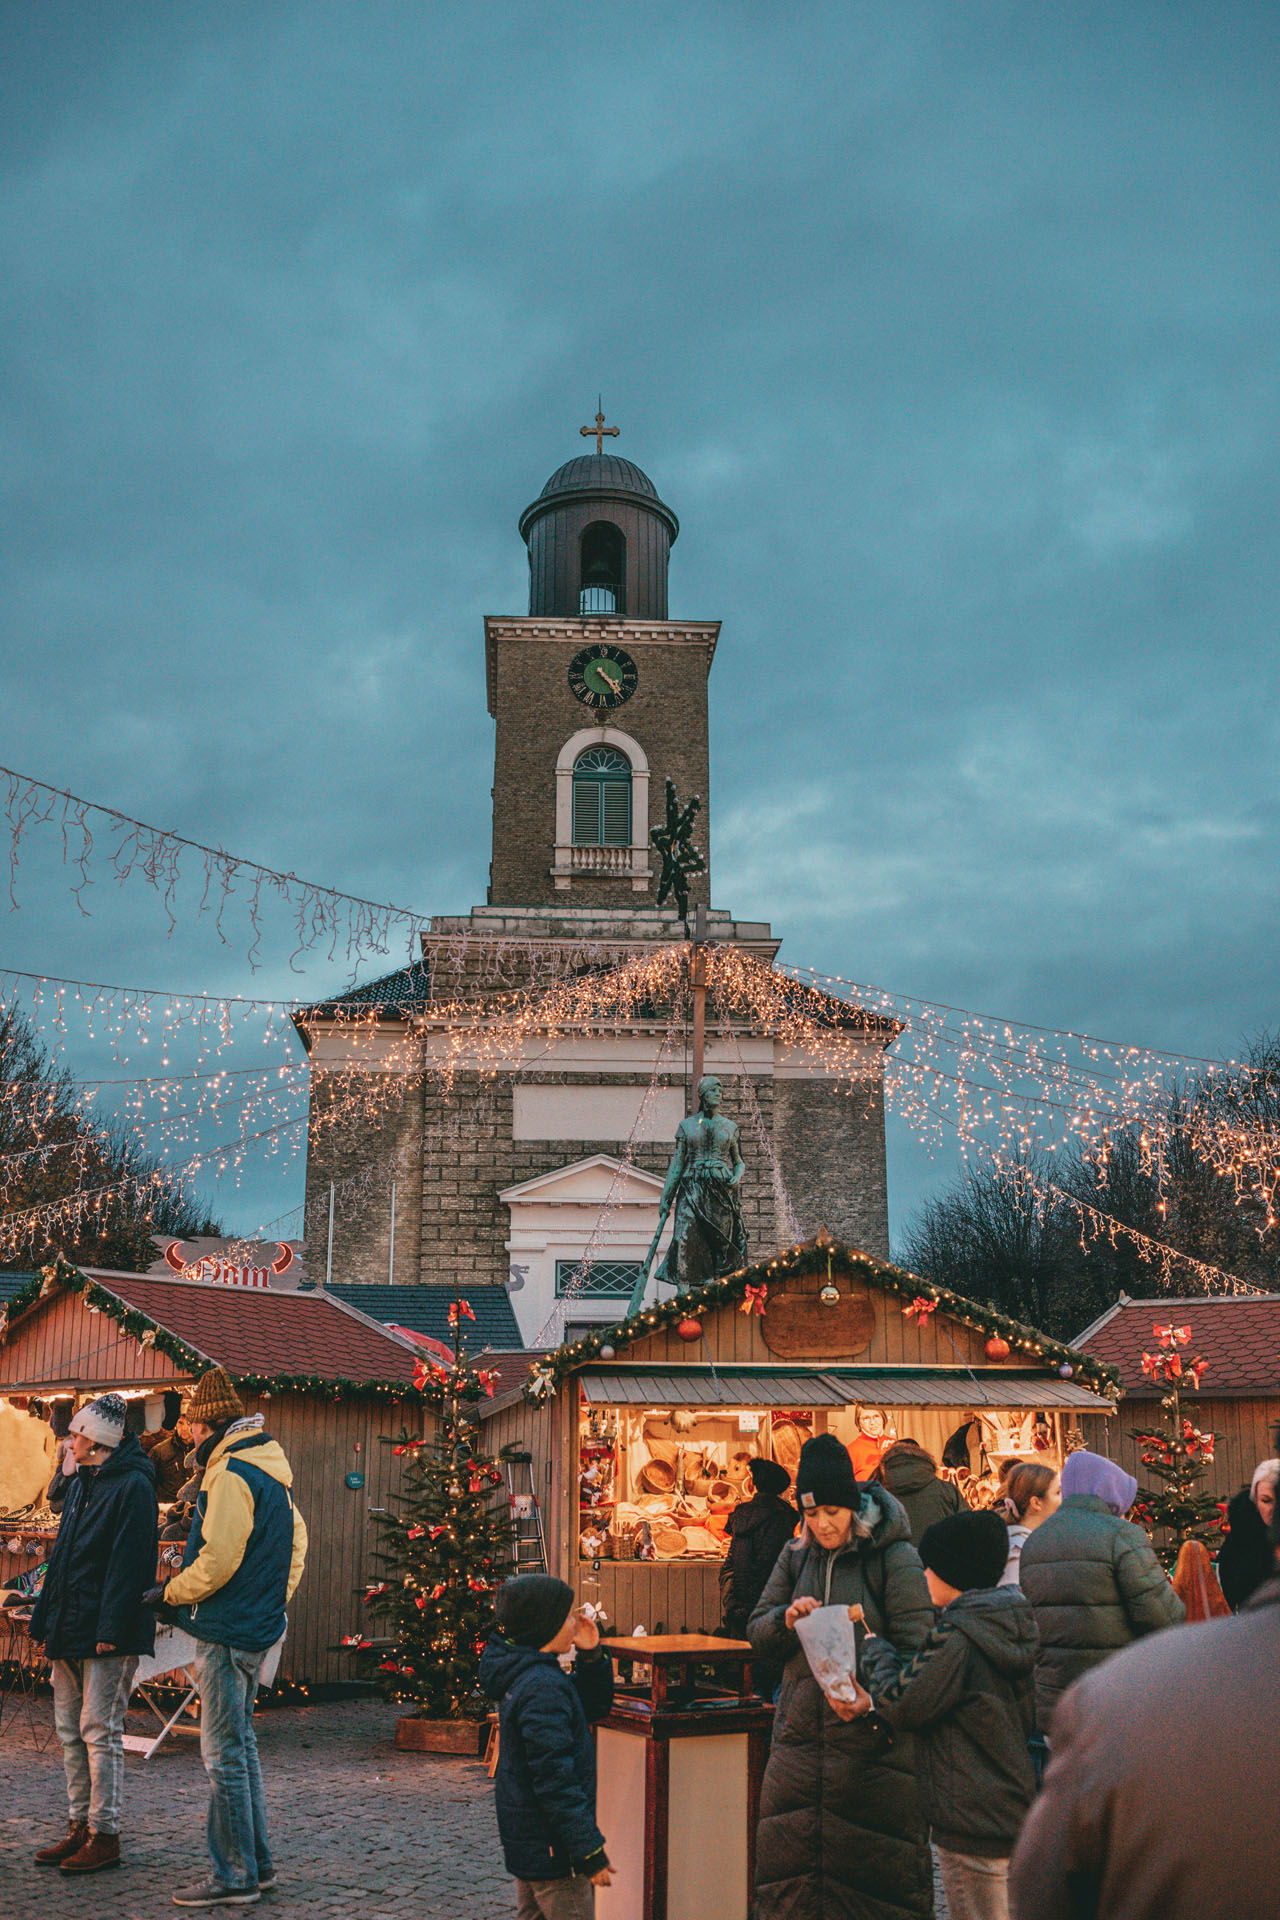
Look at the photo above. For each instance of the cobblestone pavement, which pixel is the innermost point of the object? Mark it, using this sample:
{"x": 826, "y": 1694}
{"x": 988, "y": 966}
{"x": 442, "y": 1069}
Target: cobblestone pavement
{"x": 359, "y": 1831}
{"x": 357, "y": 1828}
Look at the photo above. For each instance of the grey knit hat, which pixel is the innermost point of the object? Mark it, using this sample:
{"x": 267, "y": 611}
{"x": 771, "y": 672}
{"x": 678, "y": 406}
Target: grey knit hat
{"x": 102, "y": 1421}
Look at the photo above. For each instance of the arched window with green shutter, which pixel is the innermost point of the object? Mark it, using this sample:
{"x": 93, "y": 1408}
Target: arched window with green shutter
{"x": 602, "y": 798}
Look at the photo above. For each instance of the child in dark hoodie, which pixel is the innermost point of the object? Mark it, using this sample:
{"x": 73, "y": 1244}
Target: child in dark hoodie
{"x": 968, "y": 1696}
{"x": 546, "y": 1781}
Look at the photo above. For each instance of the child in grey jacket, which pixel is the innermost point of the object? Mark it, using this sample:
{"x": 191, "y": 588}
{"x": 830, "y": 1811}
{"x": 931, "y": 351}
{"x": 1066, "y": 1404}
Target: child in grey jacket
{"x": 968, "y": 1697}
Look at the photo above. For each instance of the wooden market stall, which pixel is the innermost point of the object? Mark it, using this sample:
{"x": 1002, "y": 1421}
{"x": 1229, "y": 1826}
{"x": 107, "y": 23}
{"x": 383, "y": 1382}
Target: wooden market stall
{"x": 330, "y": 1381}
{"x": 641, "y": 1433}
{"x": 1238, "y": 1401}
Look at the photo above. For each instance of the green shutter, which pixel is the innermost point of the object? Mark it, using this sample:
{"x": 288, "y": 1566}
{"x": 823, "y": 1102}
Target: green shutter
{"x": 586, "y": 813}
{"x": 616, "y": 813}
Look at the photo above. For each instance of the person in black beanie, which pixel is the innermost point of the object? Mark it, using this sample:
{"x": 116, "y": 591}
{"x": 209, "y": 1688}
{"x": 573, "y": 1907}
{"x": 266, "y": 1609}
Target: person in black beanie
{"x": 758, "y": 1531}
{"x": 968, "y": 1696}
{"x": 840, "y": 1831}
{"x": 546, "y": 1779}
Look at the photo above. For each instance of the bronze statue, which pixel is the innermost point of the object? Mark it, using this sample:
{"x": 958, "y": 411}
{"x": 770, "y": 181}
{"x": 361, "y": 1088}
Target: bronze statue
{"x": 703, "y": 1183}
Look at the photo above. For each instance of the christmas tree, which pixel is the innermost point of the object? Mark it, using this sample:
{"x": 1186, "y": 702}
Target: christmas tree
{"x": 1178, "y": 1453}
{"x": 446, "y": 1549}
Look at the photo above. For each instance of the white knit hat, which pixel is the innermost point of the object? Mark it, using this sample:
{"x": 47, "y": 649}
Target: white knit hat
{"x": 102, "y": 1421}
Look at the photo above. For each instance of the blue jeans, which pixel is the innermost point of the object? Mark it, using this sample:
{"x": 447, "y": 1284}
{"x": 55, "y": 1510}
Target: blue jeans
{"x": 237, "y": 1827}
{"x": 90, "y": 1698}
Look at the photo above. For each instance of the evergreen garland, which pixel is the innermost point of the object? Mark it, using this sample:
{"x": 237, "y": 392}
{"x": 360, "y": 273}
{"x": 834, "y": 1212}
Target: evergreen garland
{"x": 828, "y": 1258}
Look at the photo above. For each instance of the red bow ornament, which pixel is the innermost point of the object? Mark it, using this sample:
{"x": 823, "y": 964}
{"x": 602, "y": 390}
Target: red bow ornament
{"x": 753, "y": 1299}
{"x": 1172, "y": 1336}
{"x": 1195, "y": 1368}
{"x": 460, "y": 1310}
{"x": 919, "y": 1309}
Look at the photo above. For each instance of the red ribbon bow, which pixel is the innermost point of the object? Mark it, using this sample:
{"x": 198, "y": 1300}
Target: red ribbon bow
{"x": 460, "y": 1309}
{"x": 920, "y": 1309}
{"x": 754, "y": 1298}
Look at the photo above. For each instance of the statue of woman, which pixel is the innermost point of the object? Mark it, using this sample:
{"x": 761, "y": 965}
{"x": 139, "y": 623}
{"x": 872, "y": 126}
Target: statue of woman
{"x": 703, "y": 1183}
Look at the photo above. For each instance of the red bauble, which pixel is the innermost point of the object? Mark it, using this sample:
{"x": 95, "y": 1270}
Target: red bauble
{"x": 689, "y": 1328}
{"x": 996, "y": 1348}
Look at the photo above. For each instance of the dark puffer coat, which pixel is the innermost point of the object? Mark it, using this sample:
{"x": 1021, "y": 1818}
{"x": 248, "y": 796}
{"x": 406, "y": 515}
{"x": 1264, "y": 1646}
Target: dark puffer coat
{"x": 1095, "y": 1585}
{"x": 546, "y": 1780}
{"x": 1247, "y": 1558}
{"x": 969, "y": 1699}
{"x": 103, "y": 1561}
{"x": 913, "y": 1481}
{"x": 840, "y": 1835}
{"x": 758, "y": 1531}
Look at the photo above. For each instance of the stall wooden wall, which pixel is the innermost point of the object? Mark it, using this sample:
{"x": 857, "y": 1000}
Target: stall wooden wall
{"x": 62, "y": 1344}
{"x": 319, "y": 1438}
{"x": 1244, "y": 1431}
{"x": 896, "y": 1341}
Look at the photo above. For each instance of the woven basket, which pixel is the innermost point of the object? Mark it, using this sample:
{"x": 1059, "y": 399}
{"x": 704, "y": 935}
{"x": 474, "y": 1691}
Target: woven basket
{"x": 658, "y": 1476}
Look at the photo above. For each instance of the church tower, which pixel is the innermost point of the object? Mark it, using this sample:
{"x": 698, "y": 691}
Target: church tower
{"x": 598, "y": 697}
{"x": 535, "y": 1164}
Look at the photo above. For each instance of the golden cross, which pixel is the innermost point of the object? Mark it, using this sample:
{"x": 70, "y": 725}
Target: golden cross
{"x": 599, "y": 431}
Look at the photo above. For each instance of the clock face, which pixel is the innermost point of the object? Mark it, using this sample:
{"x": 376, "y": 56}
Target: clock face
{"x": 603, "y": 676}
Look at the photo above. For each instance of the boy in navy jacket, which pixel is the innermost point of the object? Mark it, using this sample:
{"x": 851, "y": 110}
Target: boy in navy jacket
{"x": 546, "y": 1780}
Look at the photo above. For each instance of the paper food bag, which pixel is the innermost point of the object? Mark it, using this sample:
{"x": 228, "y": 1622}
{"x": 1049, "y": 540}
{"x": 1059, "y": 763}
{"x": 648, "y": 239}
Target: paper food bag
{"x": 830, "y": 1647}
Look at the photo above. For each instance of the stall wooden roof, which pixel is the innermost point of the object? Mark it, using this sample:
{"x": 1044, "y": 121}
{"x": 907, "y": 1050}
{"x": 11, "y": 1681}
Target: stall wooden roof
{"x": 1238, "y": 1335}
{"x": 253, "y": 1333}
{"x": 834, "y": 1387}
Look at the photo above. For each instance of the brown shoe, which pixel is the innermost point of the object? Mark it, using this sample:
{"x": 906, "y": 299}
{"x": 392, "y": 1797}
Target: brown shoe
{"x": 76, "y": 1835}
{"x": 99, "y": 1850}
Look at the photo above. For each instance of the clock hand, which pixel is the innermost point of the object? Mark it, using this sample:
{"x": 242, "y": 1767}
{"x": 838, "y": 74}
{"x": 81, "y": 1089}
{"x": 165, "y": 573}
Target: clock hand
{"x": 612, "y": 680}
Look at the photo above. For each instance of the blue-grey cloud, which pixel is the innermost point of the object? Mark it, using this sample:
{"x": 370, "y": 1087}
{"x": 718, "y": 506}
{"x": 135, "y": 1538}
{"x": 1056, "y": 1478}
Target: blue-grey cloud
{"x": 949, "y": 333}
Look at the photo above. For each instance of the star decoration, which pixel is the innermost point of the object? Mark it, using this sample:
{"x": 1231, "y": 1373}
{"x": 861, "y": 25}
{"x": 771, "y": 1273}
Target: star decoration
{"x": 680, "y": 858}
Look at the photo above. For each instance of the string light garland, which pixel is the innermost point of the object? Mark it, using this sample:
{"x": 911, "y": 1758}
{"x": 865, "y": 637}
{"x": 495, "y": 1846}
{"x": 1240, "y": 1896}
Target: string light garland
{"x": 321, "y": 915}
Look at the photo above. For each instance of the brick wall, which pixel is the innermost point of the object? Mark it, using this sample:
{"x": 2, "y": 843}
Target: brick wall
{"x": 832, "y": 1148}
{"x": 536, "y": 714}
{"x": 451, "y": 1153}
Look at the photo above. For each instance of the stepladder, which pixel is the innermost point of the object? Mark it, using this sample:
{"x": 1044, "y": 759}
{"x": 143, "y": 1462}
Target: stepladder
{"x": 529, "y": 1546}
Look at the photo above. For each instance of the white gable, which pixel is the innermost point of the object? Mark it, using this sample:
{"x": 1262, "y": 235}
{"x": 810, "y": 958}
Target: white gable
{"x": 600, "y": 1207}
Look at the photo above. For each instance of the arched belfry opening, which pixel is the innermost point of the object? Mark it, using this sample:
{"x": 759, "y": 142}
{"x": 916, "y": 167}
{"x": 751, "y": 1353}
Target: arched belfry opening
{"x": 599, "y": 541}
{"x": 602, "y": 570}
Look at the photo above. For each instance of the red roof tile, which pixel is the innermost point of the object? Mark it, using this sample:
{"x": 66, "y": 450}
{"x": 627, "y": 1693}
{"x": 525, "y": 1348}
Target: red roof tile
{"x": 262, "y": 1331}
{"x": 1239, "y": 1337}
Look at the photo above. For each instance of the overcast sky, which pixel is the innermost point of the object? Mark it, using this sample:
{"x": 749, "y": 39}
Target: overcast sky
{"x": 949, "y": 332}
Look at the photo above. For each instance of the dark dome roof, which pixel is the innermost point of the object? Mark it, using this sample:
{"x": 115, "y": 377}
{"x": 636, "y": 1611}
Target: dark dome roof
{"x": 592, "y": 472}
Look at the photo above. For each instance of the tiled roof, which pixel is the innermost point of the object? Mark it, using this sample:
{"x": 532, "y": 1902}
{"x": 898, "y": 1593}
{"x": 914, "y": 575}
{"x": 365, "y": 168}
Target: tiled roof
{"x": 426, "y": 1310}
{"x": 10, "y": 1282}
{"x": 405, "y": 991}
{"x": 1238, "y": 1336}
{"x": 249, "y": 1331}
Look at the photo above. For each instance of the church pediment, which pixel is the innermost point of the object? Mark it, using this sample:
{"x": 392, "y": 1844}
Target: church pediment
{"x": 587, "y": 1183}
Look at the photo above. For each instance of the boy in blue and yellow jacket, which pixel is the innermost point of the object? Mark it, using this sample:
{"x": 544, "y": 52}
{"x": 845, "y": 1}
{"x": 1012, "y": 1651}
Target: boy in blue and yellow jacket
{"x": 546, "y": 1780}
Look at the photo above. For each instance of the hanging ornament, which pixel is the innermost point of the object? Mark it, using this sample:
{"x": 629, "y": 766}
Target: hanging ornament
{"x": 1066, "y": 1370}
{"x": 689, "y": 1328}
{"x": 830, "y": 1294}
{"x": 608, "y": 1353}
{"x": 996, "y": 1348}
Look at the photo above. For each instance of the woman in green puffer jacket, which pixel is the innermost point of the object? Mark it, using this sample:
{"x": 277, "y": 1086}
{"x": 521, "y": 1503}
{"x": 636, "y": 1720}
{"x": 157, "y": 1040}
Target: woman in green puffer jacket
{"x": 1092, "y": 1578}
{"x": 840, "y": 1834}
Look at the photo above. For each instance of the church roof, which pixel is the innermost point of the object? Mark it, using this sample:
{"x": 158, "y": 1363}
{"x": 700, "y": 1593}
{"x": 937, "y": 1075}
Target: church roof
{"x": 425, "y": 1309}
{"x": 592, "y": 472}
{"x": 407, "y": 990}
